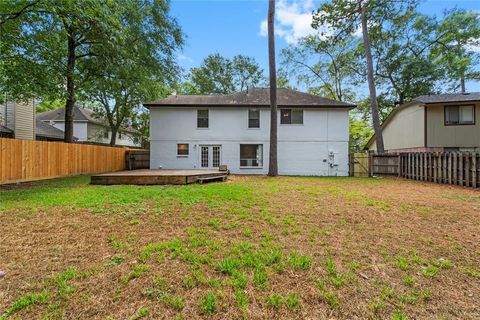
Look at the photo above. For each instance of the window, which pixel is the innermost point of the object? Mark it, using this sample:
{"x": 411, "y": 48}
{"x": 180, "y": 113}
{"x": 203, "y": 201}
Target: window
{"x": 251, "y": 155}
{"x": 182, "y": 149}
{"x": 119, "y": 135}
{"x": 254, "y": 118}
{"x": 105, "y": 134}
{"x": 459, "y": 115}
{"x": 291, "y": 116}
{"x": 202, "y": 118}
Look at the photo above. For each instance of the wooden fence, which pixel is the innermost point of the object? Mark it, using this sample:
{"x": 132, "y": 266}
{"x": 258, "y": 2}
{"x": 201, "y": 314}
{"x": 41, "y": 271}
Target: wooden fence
{"x": 459, "y": 168}
{"x": 25, "y": 160}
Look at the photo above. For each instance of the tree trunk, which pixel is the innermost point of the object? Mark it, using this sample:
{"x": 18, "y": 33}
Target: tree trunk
{"x": 371, "y": 83}
{"x": 70, "y": 103}
{"x": 462, "y": 84}
{"x": 272, "y": 163}
{"x": 113, "y": 139}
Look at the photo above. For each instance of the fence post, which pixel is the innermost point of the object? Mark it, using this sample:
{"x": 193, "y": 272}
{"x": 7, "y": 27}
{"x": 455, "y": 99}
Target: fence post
{"x": 474, "y": 170}
{"x": 467, "y": 170}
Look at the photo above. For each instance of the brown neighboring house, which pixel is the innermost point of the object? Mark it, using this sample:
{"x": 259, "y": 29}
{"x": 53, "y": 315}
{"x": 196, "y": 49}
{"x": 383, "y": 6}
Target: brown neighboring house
{"x": 442, "y": 122}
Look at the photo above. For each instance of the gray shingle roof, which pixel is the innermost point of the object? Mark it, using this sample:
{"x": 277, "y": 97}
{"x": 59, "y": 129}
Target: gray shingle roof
{"x": 451, "y": 97}
{"x": 79, "y": 114}
{"x": 48, "y": 131}
{"x": 259, "y": 97}
{"x": 4, "y": 129}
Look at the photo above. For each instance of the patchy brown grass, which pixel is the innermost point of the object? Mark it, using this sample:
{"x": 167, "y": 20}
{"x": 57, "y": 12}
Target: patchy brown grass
{"x": 254, "y": 247}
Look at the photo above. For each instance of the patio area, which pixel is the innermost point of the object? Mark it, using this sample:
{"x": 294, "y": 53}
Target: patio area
{"x": 159, "y": 177}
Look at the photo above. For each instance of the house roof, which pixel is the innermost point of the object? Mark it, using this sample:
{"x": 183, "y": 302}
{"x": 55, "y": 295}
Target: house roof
{"x": 4, "y": 129}
{"x": 45, "y": 130}
{"x": 79, "y": 114}
{"x": 450, "y": 97}
{"x": 258, "y": 97}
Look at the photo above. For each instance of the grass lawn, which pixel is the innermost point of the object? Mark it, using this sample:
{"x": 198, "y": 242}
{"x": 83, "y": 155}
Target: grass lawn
{"x": 253, "y": 247}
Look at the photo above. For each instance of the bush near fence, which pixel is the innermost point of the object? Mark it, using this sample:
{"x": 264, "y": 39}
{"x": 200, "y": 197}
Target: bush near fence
{"x": 26, "y": 160}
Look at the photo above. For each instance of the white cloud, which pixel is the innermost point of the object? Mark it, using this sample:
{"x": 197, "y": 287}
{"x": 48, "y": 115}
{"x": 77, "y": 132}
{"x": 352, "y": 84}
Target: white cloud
{"x": 293, "y": 20}
{"x": 183, "y": 57}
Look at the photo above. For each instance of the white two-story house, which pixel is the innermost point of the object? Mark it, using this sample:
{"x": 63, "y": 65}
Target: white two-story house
{"x": 195, "y": 132}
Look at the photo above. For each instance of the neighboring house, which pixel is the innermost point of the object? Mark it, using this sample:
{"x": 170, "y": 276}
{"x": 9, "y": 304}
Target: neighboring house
{"x": 88, "y": 128}
{"x": 443, "y": 122}
{"x": 17, "y": 120}
{"x": 194, "y": 131}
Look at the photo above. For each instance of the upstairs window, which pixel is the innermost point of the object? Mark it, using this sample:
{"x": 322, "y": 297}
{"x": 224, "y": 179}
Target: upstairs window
{"x": 202, "y": 118}
{"x": 455, "y": 115}
{"x": 291, "y": 116}
{"x": 254, "y": 118}
{"x": 182, "y": 149}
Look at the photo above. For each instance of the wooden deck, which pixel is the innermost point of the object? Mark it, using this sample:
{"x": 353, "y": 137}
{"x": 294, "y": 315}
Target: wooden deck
{"x": 159, "y": 177}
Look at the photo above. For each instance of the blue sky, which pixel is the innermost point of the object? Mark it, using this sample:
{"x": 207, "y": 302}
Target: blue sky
{"x": 232, "y": 27}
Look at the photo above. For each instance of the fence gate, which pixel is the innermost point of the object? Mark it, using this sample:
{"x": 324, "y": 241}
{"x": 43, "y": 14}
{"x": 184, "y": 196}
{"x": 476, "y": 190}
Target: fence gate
{"x": 359, "y": 164}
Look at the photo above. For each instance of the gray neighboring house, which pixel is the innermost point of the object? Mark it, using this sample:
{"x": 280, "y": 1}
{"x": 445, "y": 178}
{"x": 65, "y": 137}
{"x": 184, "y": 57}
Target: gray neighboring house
{"x": 88, "y": 128}
{"x": 17, "y": 120}
{"x": 433, "y": 123}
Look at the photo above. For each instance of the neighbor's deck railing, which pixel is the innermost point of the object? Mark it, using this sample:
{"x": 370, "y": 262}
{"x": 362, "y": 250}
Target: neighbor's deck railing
{"x": 25, "y": 160}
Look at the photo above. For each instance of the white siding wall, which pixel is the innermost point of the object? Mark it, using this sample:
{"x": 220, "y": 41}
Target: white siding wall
{"x": 79, "y": 129}
{"x": 302, "y": 149}
{"x": 92, "y": 132}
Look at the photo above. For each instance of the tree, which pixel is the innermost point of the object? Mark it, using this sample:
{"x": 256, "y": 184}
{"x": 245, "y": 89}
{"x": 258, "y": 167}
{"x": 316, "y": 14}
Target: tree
{"x": 246, "y": 72}
{"x": 459, "y": 36}
{"x": 45, "y": 43}
{"x": 131, "y": 74}
{"x": 215, "y": 75}
{"x": 344, "y": 17}
{"x": 325, "y": 68}
{"x": 272, "y": 163}
{"x": 219, "y": 75}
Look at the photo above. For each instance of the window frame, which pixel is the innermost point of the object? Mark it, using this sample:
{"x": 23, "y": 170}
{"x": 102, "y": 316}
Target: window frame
{"x": 459, "y": 123}
{"x": 291, "y": 116}
{"x": 260, "y": 166}
{"x": 208, "y": 118}
{"x": 248, "y": 120}
{"x": 188, "y": 150}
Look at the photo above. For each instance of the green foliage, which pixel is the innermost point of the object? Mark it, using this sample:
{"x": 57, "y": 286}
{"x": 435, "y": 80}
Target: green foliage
{"x": 275, "y": 300}
{"x": 27, "y": 301}
{"x": 208, "y": 303}
{"x": 299, "y": 261}
{"x": 140, "y": 314}
{"x": 220, "y": 75}
{"x": 260, "y": 276}
{"x": 292, "y": 301}
{"x": 229, "y": 265}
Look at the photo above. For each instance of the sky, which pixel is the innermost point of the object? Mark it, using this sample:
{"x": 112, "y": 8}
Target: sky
{"x": 232, "y": 27}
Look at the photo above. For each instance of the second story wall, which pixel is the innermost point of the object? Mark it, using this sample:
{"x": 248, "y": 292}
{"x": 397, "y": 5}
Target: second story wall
{"x": 231, "y": 124}
{"x": 440, "y": 134}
